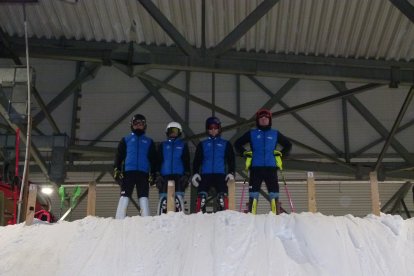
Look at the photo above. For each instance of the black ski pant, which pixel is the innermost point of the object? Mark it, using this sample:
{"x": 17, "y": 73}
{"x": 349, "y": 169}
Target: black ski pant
{"x": 181, "y": 183}
{"x": 215, "y": 180}
{"x": 135, "y": 179}
{"x": 266, "y": 174}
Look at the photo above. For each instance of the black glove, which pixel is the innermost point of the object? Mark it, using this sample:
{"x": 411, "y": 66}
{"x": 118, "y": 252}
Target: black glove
{"x": 159, "y": 181}
{"x": 118, "y": 175}
{"x": 185, "y": 180}
{"x": 151, "y": 179}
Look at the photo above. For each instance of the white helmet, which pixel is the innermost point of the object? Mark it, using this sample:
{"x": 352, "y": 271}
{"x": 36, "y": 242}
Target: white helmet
{"x": 174, "y": 125}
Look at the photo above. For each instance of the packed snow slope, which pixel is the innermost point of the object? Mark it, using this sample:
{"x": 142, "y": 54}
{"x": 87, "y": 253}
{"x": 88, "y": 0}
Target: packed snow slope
{"x": 226, "y": 243}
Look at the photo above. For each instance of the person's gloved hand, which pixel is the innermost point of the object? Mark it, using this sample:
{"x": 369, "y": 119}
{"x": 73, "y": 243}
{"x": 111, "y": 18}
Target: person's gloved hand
{"x": 185, "y": 180}
{"x": 229, "y": 176}
{"x": 248, "y": 153}
{"x": 277, "y": 153}
{"x": 159, "y": 180}
{"x": 278, "y": 158}
{"x": 196, "y": 180}
{"x": 151, "y": 179}
{"x": 118, "y": 175}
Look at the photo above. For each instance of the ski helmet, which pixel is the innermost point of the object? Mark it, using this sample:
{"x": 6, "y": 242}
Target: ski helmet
{"x": 213, "y": 121}
{"x": 171, "y": 128}
{"x": 137, "y": 118}
{"x": 263, "y": 112}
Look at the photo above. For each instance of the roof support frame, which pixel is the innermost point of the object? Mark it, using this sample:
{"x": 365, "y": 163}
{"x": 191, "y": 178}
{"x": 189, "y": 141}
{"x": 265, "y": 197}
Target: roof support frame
{"x": 345, "y": 130}
{"x": 264, "y": 64}
{"x": 304, "y": 105}
{"x": 397, "y": 122}
{"x": 376, "y": 142}
{"x": 169, "y": 28}
{"x": 86, "y": 74}
{"x": 375, "y": 123}
{"x": 120, "y": 119}
{"x": 182, "y": 93}
{"x": 405, "y": 7}
{"x": 225, "y": 44}
{"x": 131, "y": 109}
{"x": 187, "y": 98}
{"x": 34, "y": 91}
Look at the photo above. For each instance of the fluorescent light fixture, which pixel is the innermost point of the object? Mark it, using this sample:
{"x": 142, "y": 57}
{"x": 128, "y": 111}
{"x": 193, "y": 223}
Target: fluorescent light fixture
{"x": 47, "y": 190}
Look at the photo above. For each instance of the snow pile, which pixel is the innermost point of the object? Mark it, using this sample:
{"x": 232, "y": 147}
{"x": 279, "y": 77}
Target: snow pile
{"x": 225, "y": 243}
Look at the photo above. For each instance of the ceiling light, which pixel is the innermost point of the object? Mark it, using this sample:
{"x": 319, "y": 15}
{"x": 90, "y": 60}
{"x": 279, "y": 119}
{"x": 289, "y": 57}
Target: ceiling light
{"x": 47, "y": 190}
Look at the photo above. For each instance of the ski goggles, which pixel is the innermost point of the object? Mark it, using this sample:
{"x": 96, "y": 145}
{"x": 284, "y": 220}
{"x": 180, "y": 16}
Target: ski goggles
{"x": 213, "y": 126}
{"x": 263, "y": 114}
{"x": 173, "y": 130}
{"x": 138, "y": 122}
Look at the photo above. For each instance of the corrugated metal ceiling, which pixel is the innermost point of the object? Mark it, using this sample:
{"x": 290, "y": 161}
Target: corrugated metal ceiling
{"x": 371, "y": 29}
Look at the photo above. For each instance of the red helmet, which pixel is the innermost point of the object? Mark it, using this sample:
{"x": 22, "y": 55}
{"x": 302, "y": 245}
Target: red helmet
{"x": 264, "y": 112}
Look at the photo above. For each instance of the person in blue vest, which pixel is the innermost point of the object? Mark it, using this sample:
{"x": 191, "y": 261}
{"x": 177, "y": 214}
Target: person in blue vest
{"x": 263, "y": 141}
{"x": 174, "y": 160}
{"x": 213, "y": 166}
{"x": 135, "y": 159}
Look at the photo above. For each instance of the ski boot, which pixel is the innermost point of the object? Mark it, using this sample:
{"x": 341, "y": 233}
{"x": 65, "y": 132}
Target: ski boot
{"x": 222, "y": 202}
{"x": 179, "y": 202}
{"x": 122, "y": 207}
{"x": 201, "y": 202}
{"x": 274, "y": 204}
{"x": 162, "y": 206}
{"x": 253, "y": 205}
{"x": 144, "y": 206}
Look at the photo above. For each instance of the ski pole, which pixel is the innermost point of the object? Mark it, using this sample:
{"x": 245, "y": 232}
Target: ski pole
{"x": 292, "y": 208}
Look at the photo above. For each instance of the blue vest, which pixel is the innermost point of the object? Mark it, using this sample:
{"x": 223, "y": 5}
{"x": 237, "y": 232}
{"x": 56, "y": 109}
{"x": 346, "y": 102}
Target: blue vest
{"x": 172, "y": 151}
{"x": 214, "y": 150}
{"x": 263, "y": 143}
{"x": 137, "y": 148}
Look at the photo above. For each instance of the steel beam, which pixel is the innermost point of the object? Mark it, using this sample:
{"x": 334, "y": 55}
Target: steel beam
{"x": 231, "y": 62}
{"x": 243, "y": 27}
{"x": 405, "y": 7}
{"x": 397, "y": 122}
{"x": 303, "y": 106}
{"x": 357, "y": 153}
{"x": 183, "y": 94}
{"x": 169, "y": 28}
{"x": 375, "y": 123}
{"x": 85, "y": 75}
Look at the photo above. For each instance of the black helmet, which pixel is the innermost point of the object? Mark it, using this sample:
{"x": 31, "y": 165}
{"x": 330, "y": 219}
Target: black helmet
{"x": 264, "y": 113}
{"x": 138, "y": 117}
